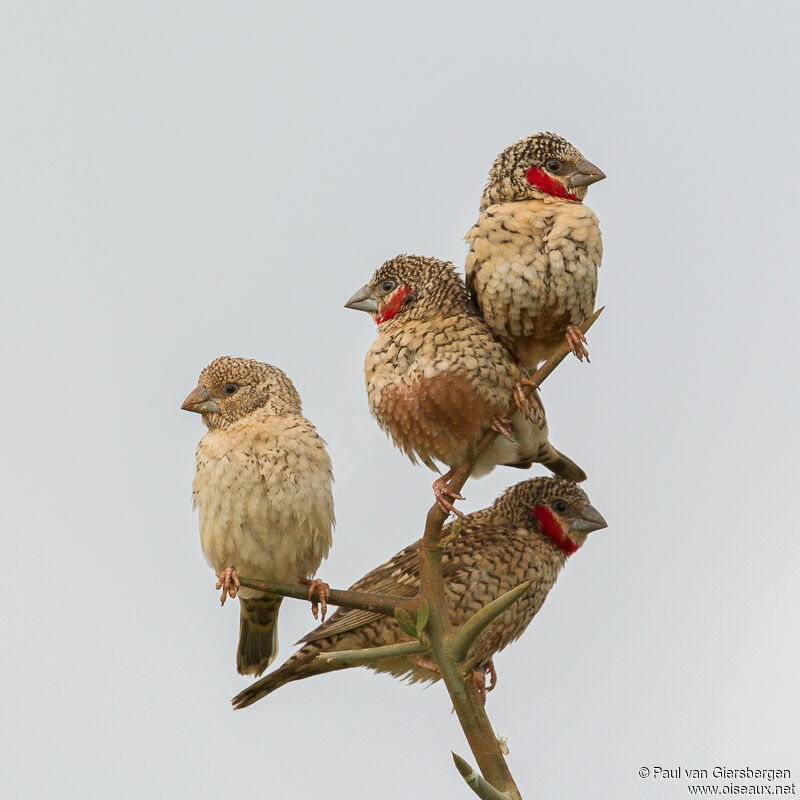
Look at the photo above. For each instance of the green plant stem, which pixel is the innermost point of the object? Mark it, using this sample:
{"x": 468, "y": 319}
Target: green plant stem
{"x": 352, "y": 657}
{"x": 463, "y": 692}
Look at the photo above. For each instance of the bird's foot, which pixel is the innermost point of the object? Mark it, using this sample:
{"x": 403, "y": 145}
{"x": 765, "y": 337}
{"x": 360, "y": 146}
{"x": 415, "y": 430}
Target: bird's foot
{"x": 479, "y": 676}
{"x": 444, "y": 496}
{"x": 500, "y": 424}
{"x": 323, "y": 592}
{"x": 527, "y": 404}
{"x": 228, "y": 581}
{"x": 577, "y": 341}
{"x": 492, "y": 674}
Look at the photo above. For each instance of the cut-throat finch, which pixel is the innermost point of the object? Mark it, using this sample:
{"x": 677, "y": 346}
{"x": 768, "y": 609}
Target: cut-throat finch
{"x": 527, "y": 534}
{"x": 438, "y": 378}
{"x": 535, "y": 251}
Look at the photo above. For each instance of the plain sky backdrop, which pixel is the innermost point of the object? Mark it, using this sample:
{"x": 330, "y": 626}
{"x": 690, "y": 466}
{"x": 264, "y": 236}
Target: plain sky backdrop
{"x": 182, "y": 180}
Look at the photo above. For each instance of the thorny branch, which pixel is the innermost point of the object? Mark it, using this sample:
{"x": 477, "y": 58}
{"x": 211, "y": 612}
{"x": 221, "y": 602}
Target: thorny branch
{"x": 446, "y": 646}
{"x": 476, "y": 782}
{"x": 467, "y": 702}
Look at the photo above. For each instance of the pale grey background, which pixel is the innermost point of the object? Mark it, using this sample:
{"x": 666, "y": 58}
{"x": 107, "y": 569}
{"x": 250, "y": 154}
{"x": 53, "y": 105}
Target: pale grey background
{"x": 183, "y": 180}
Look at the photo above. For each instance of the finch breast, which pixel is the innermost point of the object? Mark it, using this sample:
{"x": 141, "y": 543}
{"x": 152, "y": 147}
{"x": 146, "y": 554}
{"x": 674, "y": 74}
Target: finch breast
{"x": 434, "y": 385}
{"x": 532, "y": 267}
{"x": 263, "y": 489}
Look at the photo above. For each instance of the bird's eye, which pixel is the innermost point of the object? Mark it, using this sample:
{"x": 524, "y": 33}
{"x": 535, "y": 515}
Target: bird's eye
{"x": 560, "y": 506}
{"x": 553, "y": 165}
{"x": 387, "y": 286}
{"x": 230, "y": 388}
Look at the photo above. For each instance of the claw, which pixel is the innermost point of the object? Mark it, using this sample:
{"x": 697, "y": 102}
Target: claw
{"x": 527, "y": 404}
{"x": 576, "y": 340}
{"x": 323, "y": 592}
{"x": 228, "y": 581}
{"x": 492, "y": 674}
{"x": 479, "y": 676}
{"x": 499, "y": 425}
{"x": 441, "y": 492}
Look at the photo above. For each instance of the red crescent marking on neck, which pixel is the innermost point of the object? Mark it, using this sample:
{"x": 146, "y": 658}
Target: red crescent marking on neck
{"x": 546, "y": 183}
{"x": 393, "y": 305}
{"x": 553, "y": 531}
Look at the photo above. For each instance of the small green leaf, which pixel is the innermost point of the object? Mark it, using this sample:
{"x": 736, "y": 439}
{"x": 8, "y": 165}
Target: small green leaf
{"x": 455, "y": 532}
{"x": 405, "y": 622}
{"x": 422, "y": 615}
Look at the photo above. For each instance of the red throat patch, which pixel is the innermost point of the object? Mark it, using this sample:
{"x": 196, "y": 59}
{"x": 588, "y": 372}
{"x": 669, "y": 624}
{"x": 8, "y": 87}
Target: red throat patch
{"x": 546, "y": 183}
{"x": 552, "y": 529}
{"x": 393, "y": 304}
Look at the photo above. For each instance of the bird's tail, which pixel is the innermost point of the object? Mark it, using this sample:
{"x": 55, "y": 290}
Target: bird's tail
{"x": 562, "y": 465}
{"x": 258, "y": 634}
{"x": 303, "y": 664}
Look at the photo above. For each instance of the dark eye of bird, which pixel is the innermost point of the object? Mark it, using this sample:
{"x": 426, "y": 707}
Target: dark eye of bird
{"x": 387, "y": 286}
{"x": 230, "y": 388}
{"x": 560, "y": 506}
{"x": 553, "y": 165}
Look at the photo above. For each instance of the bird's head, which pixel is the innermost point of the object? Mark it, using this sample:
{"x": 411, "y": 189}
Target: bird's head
{"x": 541, "y": 164}
{"x": 556, "y": 507}
{"x": 231, "y": 388}
{"x": 410, "y": 286}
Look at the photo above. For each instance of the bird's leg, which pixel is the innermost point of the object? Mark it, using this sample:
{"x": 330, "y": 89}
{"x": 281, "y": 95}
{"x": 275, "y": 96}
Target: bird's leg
{"x": 441, "y": 492}
{"x": 528, "y": 405}
{"x": 228, "y": 581}
{"x": 499, "y": 424}
{"x": 576, "y": 340}
{"x": 323, "y": 592}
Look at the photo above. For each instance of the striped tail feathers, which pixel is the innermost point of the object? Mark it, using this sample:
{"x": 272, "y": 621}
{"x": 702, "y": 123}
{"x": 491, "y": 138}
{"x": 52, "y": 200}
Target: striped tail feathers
{"x": 303, "y": 664}
{"x": 258, "y": 634}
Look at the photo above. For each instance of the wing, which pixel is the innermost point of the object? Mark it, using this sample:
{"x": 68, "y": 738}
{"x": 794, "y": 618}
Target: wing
{"x": 400, "y": 575}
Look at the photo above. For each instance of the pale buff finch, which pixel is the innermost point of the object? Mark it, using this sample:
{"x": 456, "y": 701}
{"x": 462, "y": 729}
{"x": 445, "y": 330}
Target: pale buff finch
{"x": 263, "y": 491}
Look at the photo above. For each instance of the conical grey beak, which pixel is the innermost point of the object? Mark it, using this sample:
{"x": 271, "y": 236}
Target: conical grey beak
{"x": 362, "y": 300}
{"x": 200, "y": 401}
{"x": 585, "y": 174}
{"x": 589, "y": 520}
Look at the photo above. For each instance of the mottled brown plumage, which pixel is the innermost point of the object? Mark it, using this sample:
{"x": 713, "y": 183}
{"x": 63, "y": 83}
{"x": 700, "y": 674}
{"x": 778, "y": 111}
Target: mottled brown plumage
{"x": 263, "y": 490}
{"x": 536, "y": 249}
{"x": 437, "y": 376}
{"x": 527, "y": 534}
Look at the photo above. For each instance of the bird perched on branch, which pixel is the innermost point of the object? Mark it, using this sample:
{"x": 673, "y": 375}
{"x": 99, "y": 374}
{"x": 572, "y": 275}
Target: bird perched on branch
{"x": 438, "y": 378}
{"x": 263, "y": 490}
{"x": 536, "y": 249}
{"x": 526, "y": 535}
